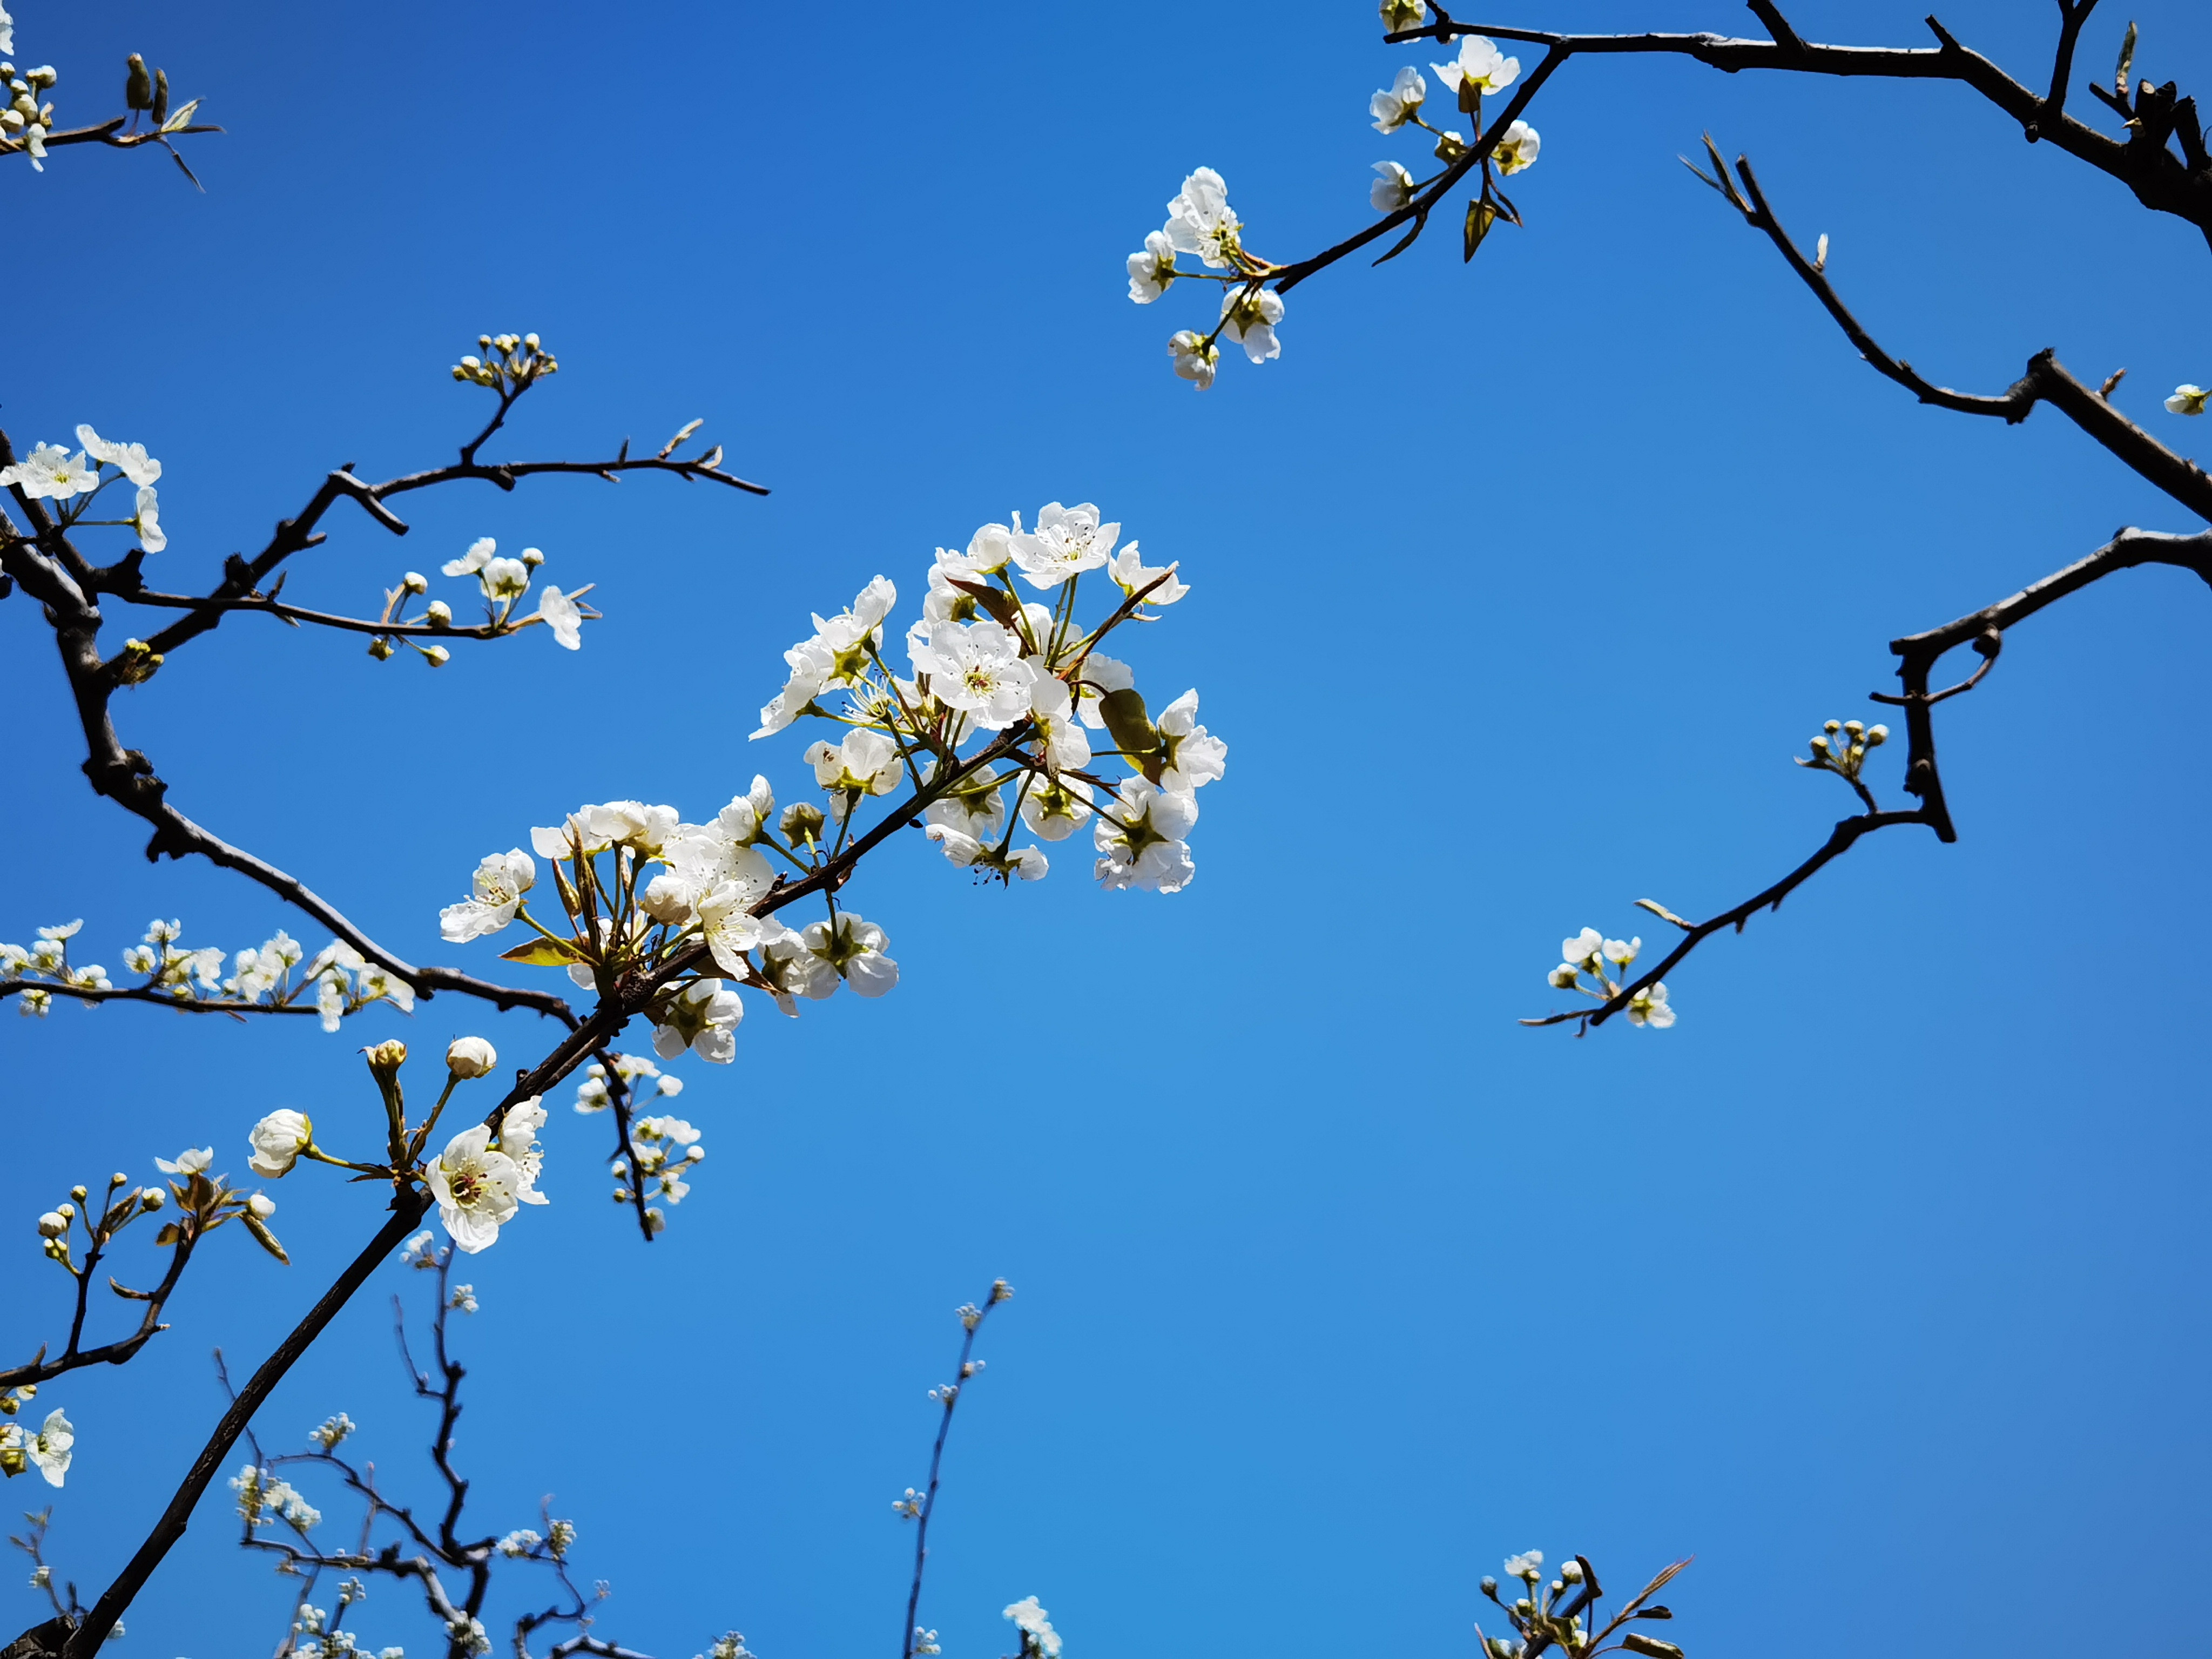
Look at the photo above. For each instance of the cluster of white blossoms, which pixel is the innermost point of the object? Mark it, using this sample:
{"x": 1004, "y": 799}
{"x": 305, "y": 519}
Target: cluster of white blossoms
{"x": 594, "y": 1094}
{"x": 319, "y": 1635}
{"x": 504, "y": 583}
{"x": 1201, "y": 225}
{"x": 48, "y": 1449}
{"x": 28, "y": 116}
{"x": 265, "y": 1498}
{"x": 1587, "y": 963}
{"x": 75, "y": 481}
{"x": 1479, "y": 68}
{"x": 510, "y": 363}
{"x": 1039, "y": 1640}
{"x": 337, "y": 981}
{"x": 664, "y": 1150}
{"x": 992, "y": 730}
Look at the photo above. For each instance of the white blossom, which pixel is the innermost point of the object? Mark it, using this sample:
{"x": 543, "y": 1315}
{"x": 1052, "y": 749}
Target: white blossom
{"x": 1528, "y": 1566}
{"x": 1400, "y": 102}
{"x": 193, "y": 1160}
{"x": 51, "y": 472}
{"x": 1133, "y": 576}
{"x": 1480, "y": 62}
{"x": 558, "y": 611}
{"x": 1056, "y": 809}
{"x": 726, "y": 917}
{"x": 793, "y": 971}
{"x": 1651, "y": 1008}
{"x": 1153, "y": 270}
{"x": 865, "y": 764}
{"x": 1249, "y": 316}
{"x": 1196, "y": 359}
{"x": 500, "y": 882}
{"x": 702, "y": 1018}
{"x": 1622, "y": 951}
{"x": 855, "y": 949}
{"x": 975, "y": 667}
{"x": 1584, "y": 949}
{"x": 277, "y": 1142}
{"x": 51, "y": 1449}
{"x": 1066, "y": 542}
{"x": 130, "y": 460}
{"x": 1052, "y": 711}
{"x": 1392, "y": 190}
{"x": 1029, "y": 863}
{"x": 470, "y": 1057}
{"x": 1140, "y": 833}
{"x": 1517, "y": 148}
{"x": 1201, "y": 221}
{"x": 1194, "y": 756}
{"x": 1035, "y": 1627}
{"x": 480, "y": 553}
{"x": 2187, "y": 400}
{"x": 476, "y": 1188}
{"x": 517, "y": 1138}
{"x": 148, "y": 521}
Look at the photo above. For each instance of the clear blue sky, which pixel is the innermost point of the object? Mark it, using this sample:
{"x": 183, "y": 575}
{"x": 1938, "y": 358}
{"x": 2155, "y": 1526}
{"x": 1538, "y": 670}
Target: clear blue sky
{"x": 1877, "y": 1282}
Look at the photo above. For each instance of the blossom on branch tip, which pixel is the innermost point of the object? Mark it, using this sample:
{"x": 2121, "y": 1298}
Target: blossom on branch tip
{"x": 1392, "y": 190}
{"x": 1052, "y": 711}
{"x": 1194, "y": 756}
{"x": 866, "y": 763}
{"x": 1066, "y": 542}
{"x": 193, "y": 1160}
{"x": 1133, "y": 576}
{"x": 277, "y": 1142}
{"x": 559, "y": 613}
{"x": 148, "y": 521}
{"x": 1038, "y": 1637}
{"x": 855, "y": 949}
{"x": 517, "y": 1138}
{"x": 1056, "y": 810}
{"x": 470, "y": 1057}
{"x": 51, "y": 472}
{"x": 480, "y": 553}
{"x": 1201, "y": 221}
{"x": 1516, "y": 148}
{"x": 1584, "y": 949}
{"x": 1528, "y": 1567}
{"x": 500, "y": 882}
{"x": 476, "y": 1188}
{"x": 1479, "y": 65}
{"x": 130, "y": 460}
{"x": 1027, "y": 862}
{"x": 1249, "y": 316}
{"x": 1140, "y": 833}
{"x": 2187, "y": 400}
{"x": 1153, "y": 271}
{"x": 975, "y": 667}
{"x": 1400, "y": 102}
{"x": 1621, "y": 952}
{"x": 48, "y": 1450}
{"x": 1651, "y": 1008}
{"x": 704, "y": 1018}
{"x": 1196, "y": 358}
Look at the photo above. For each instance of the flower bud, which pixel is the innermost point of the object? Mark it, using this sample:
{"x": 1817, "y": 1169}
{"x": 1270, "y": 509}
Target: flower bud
{"x": 52, "y": 1225}
{"x": 437, "y": 656}
{"x": 1876, "y": 736}
{"x": 118, "y": 1179}
{"x": 381, "y": 648}
{"x": 79, "y": 1194}
{"x": 1832, "y": 726}
{"x": 279, "y": 1139}
{"x": 1571, "y": 1571}
{"x": 1855, "y": 728}
{"x": 415, "y": 582}
{"x": 470, "y": 1057}
{"x": 530, "y": 340}
{"x": 66, "y": 1212}
{"x": 261, "y": 1206}
{"x": 801, "y": 823}
{"x": 152, "y": 1197}
{"x": 1489, "y": 1585}
{"x": 387, "y": 1057}
{"x": 532, "y": 557}
{"x": 439, "y": 614}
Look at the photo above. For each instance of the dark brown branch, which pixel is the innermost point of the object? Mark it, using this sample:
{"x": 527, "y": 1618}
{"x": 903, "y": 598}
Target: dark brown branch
{"x": 123, "y": 1350}
{"x": 2072, "y": 14}
{"x": 293, "y": 613}
{"x": 963, "y": 1373}
{"x": 1917, "y": 655}
{"x": 160, "y": 999}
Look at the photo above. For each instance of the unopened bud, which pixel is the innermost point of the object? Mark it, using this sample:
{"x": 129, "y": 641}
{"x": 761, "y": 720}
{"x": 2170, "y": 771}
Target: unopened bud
{"x": 386, "y": 1058}
{"x": 415, "y": 582}
{"x": 1855, "y": 728}
{"x": 437, "y": 656}
{"x": 532, "y": 557}
{"x": 52, "y": 1225}
{"x": 261, "y": 1206}
{"x": 118, "y": 1179}
{"x": 1876, "y": 736}
{"x": 470, "y": 1057}
{"x": 79, "y": 1194}
{"x": 439, "y": 614}
{"x": 152, "y": 1197}
{"x": 381, "y": 648}
{"x": 1832, "y": 725}
{"x": 801, "y": 823}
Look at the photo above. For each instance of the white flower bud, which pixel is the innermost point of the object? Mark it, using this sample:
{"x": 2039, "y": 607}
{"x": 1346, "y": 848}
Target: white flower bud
{"x": 437, "y": 656}
{"x": 415, "y": 582}
{"x": 470, "y": 1057}
{"x": 261, "y": 1206}
{"x": 52, "y": 1225}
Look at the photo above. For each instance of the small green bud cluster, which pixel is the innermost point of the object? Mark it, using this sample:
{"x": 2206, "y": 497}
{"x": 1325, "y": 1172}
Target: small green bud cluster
{"x": 1842, "y": 748}
{"x": 510, "y": 363}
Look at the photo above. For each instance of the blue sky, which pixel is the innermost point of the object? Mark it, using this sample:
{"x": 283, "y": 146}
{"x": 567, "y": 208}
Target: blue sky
{"x": 1875, "y": 1283}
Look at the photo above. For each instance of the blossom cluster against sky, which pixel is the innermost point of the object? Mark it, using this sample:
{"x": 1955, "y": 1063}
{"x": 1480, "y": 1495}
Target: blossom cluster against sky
{"x": 1522, "y": 584}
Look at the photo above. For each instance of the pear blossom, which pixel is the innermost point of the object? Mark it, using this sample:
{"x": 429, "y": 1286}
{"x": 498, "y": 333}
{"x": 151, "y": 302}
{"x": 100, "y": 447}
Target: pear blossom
{"x": 1249, "y": 316}
{"x": 855, "y": 949}
{"x": 1584, "y": 949}
{"x": 975, "y": 667}
{"x": 1066, "y": 542}
{"x": 865, "y": 764}
{"x": 51, "y": 472}
{"x": 1201, "y": 221}
{"x": 476, "y": 1188}
{"x": 1029, "y": 862}
{"x": 1481, "y": 65}
{"x": 1517, "y": 148}
{"x": 1649, "y": 1008}
{"x": 1622, "y": 951}
{"x": 1100, "y": 674}
{"x": 793, "y": 971}
{"x": 2187, "y": 400}
{"x": 1196, "y": 359}
{"x": 1038, "y": 1634}
{"x": 130, "y": 460}
{"x": 1052, "y": 711}
{"x": 1392, "y": 190}
{"x": 1528, "y": 1566}
{"x": 1194, "y": 756}
{"x": 518, "y": 1138}
{"x": 1133, "y": 576}
{"x": 976, "y": 807}
{"x": 1153, "y": 270}
{"x": 147, "y": 520}
{"x": 702, "y": 1018}
{"x": 7, "y": 32}
{"x": 558, "y": 611}
{"x": 193, "y": 1160}
{"x": 1400, "y": 102}
{"x": 500, "y": 882}
{"x": 1139, "y": 833}
{"x": 988, "y": 552}
{"x": 837, "y": 654}
{"x": 1056, "y": 809}
{"x": 725, "y": 914}
{"x": 49, "y": 1450}
{"x": 280, "y": 1138}
{"x": 1399, "y": 16}
{"x": 480, "y": 553}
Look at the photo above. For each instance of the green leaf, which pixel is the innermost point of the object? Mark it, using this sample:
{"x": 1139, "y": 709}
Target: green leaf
{"x": 544, "y": 953}
{"x": 2127, "y": 62}
{"x": 1480, "y": 215}
{"x": 1650, "y": 1647}
{"x": 1132, "y": 729}
{"x": 255, "y": 1225}
{"x": 182, "y": 119}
